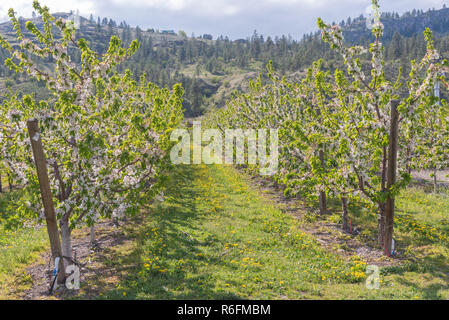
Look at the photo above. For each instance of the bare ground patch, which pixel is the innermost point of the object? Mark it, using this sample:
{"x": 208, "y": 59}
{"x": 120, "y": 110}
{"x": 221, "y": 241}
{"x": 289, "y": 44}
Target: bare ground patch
{"x": 97, "y": 273}
{"x": 424, "y": 176}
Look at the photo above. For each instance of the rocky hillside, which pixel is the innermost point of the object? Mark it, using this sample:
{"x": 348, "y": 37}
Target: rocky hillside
{"x": 210, "y": 70}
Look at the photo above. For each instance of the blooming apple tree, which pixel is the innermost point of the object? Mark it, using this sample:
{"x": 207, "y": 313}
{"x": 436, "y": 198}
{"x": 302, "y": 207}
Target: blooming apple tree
{"x": 105, "y": 134}
{"x": 367, "y": 108}
{"x": 350, "y": 135}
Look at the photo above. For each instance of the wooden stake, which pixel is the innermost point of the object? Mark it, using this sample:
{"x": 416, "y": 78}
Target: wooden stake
{"x": 47, "y": 198}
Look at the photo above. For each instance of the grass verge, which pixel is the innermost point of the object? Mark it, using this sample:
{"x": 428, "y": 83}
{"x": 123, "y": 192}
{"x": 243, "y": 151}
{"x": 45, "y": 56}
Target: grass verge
{"x": 214, "y": 237}
{"x": 18, "y": 248}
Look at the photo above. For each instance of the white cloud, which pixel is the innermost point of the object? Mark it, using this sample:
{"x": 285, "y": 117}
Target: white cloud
{"x": 25, "y": 7}
{"x": 165, "y": 4}
{"x": 207, "y": 7}
{"x": 236, "y": 18}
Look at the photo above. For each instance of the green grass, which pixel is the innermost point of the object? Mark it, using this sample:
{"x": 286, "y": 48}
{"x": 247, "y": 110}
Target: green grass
{"x": 218, "y": 237}
{"x": 18, "y": 248}
{"x": 215, "y": 237}
{"x": 428, "y": 208}
{"x": 422, "y": 237}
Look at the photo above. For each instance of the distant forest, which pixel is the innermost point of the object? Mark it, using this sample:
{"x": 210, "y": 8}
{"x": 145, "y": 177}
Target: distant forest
{"x": 164, "y": 56}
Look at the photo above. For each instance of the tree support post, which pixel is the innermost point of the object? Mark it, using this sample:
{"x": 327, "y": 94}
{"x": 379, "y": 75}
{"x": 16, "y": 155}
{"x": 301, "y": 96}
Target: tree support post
{"x": 46, "y": 194}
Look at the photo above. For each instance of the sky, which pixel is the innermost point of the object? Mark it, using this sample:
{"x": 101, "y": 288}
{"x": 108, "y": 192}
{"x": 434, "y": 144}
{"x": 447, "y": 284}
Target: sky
{"x": 232, "y": 18}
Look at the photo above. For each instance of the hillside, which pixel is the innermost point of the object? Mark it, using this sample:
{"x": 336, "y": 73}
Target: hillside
{"x": 408, "y": 25}
{"x": 210, "y": 70}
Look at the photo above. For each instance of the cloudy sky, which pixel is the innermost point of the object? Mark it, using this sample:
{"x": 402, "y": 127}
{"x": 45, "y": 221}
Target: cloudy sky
{"x": 233, "y": 18}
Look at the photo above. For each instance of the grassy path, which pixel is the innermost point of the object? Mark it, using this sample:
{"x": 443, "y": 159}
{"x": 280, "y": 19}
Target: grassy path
{"x": 215, "y": 238}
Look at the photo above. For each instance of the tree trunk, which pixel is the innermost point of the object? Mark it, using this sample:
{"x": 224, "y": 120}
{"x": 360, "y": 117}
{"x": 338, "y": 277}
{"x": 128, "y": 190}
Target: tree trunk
{"x": 408, "y": 167}
{"x": 322, "y": 200}
{"x": 381, "y": 225}
{"x": 92, "y": 235}
{"x": 322, "y": 196}
{"x": 391, "y": 177}
{"x": 66, "y": 245}
{"x": 345, "y": 218}
{"x": 435, "y": 181}
{"x": 10, "y": 182}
